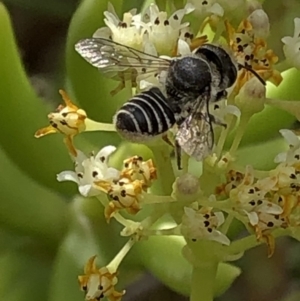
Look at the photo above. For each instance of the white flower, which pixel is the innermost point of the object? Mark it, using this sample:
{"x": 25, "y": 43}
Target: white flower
{"x": 293, "y": 154}
{"x": 203, "y": 224}
{"x": 205, "y": 8}
{"x": 164, "y": 32}
{"x": 250, "y": 199}
{"x": 292, "y": 46}
{"x": 89, "y": 170}
{"x": 144, "y": 32}
{"x": 126, "y": 32}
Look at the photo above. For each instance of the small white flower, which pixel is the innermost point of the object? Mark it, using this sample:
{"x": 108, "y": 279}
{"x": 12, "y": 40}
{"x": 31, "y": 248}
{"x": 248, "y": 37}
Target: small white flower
{"x": 164, "y": 32}
{"x": 203, "y": 224}
{"x": 205, "y": 8}
{"x": 91, "y": 169}
{"x": 291, "y": 48}
{"x": 250, "y": 199}
{"x": 126, "y": 31}
{"x": 293, "y": 154}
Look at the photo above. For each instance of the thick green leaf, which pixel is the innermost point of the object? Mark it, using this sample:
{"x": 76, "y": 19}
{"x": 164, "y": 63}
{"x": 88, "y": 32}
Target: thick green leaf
{"x": 28, "y": 208}
{"x": 261, "y": 156}
{"x": 56, "y": 8}
{"x": 25, "y": 273}
{"x": 22, "y": 113}
{"x": 162, "y": 257}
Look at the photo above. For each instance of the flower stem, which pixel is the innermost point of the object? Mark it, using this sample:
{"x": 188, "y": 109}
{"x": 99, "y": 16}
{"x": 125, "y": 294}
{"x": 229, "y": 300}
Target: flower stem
{"x": 114, "y": 264}
{"x": 223, "y": 136}
{"x": 92, "y": 125}
{"x": 165, "y": 172}
{"x": 203, "y": 280}
{"x": 239, "y": 134}
{"x": 225, "y": 227}
{"x": 250, "y": 242}
{"x": 157, "y": 199}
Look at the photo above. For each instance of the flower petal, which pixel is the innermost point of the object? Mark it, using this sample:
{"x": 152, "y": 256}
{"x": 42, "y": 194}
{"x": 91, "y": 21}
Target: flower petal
{"x": 253, "y": 217}
{"x": 219, "y": 237}
{"x": 220, "y": 217}
{"x": 104, "y": 153}
{"x": 88, "y": 190}
{"x": 290, "y": 137}
{"x": 67, "y": 176}
{"x": 103, "y": 32}
{"x": 112, "y": 173}
{"x": 183, "y": 48}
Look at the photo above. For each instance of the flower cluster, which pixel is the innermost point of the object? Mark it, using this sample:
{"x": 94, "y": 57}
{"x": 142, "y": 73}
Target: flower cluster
{"x": 68, "y": 119}
{"x": 271, "y": 200}
{"x": 250, "y": 50}
{"x": 127, "y": 191}
{"x": 203, "y": 207}
{"x": 203, "y": 224}
{"x": 148, "y": 31}
{"x": 99, "y": 283}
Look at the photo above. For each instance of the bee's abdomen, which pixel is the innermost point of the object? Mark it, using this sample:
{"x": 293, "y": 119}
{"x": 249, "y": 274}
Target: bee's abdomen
{"x": 145, "y": 115}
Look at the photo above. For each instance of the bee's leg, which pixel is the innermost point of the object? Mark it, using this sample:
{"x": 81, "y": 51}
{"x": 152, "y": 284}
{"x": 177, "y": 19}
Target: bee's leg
{"x": 217, "y": 121}
{"x": 178, "y": 154}
{"x": 167, "y": 140}
{"x": 119, "y": 88}
{"x": 220, "y": 95}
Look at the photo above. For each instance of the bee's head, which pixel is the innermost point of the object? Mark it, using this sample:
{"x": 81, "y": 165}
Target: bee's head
{"x": 223, "y": 62}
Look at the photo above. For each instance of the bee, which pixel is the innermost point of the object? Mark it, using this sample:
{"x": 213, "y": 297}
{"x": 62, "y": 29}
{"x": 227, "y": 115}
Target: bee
{"x": 189, "y": 84}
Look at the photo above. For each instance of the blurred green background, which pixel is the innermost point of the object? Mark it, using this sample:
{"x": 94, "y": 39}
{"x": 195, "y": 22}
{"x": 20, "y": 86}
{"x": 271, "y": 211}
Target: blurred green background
{"x": 46, "y": 232}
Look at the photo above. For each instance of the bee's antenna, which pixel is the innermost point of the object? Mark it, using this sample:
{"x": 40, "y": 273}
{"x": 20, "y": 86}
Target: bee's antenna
{"x": 253, "y": 72}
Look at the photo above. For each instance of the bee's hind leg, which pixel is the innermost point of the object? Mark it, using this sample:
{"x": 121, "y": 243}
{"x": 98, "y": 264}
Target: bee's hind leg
{"x": 178, "y": 154}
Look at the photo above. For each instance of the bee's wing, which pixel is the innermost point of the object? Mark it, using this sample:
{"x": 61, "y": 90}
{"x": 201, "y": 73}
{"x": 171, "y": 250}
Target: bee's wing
{"x": 195, "y": 135}
{"x": 111, "y": 57}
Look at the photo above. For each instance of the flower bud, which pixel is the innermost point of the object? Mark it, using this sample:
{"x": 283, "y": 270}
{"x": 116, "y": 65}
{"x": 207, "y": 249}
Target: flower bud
{"x": 251, "y": 98}
{"x": 186, "y": 184}
{"x": 260, "y": 23}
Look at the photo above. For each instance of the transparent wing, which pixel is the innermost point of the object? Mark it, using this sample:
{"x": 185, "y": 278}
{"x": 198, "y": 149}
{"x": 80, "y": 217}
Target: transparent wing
{"x": 195, "y": 135}
{"x": 111, "y": 58}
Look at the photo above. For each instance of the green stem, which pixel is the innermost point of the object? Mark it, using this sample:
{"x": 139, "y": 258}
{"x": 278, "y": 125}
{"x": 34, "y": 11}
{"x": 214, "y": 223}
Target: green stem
{"x": 114, "y": 264}
{"x": 239, "y": 134}
{"x": 219, "y": 31}
{"x": 225, "y": 227}
{"x": 203, "y": 280}
{"x": 250, "y": 242}
{"x": 164, "y": 232}
{"x": 223, "y": 136}
{"x": 165, "y": 172}
{"x": 157, "y": 199}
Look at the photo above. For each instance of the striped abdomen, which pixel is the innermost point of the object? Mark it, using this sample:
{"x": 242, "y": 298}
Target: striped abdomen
{"x": 144, "y": 116}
